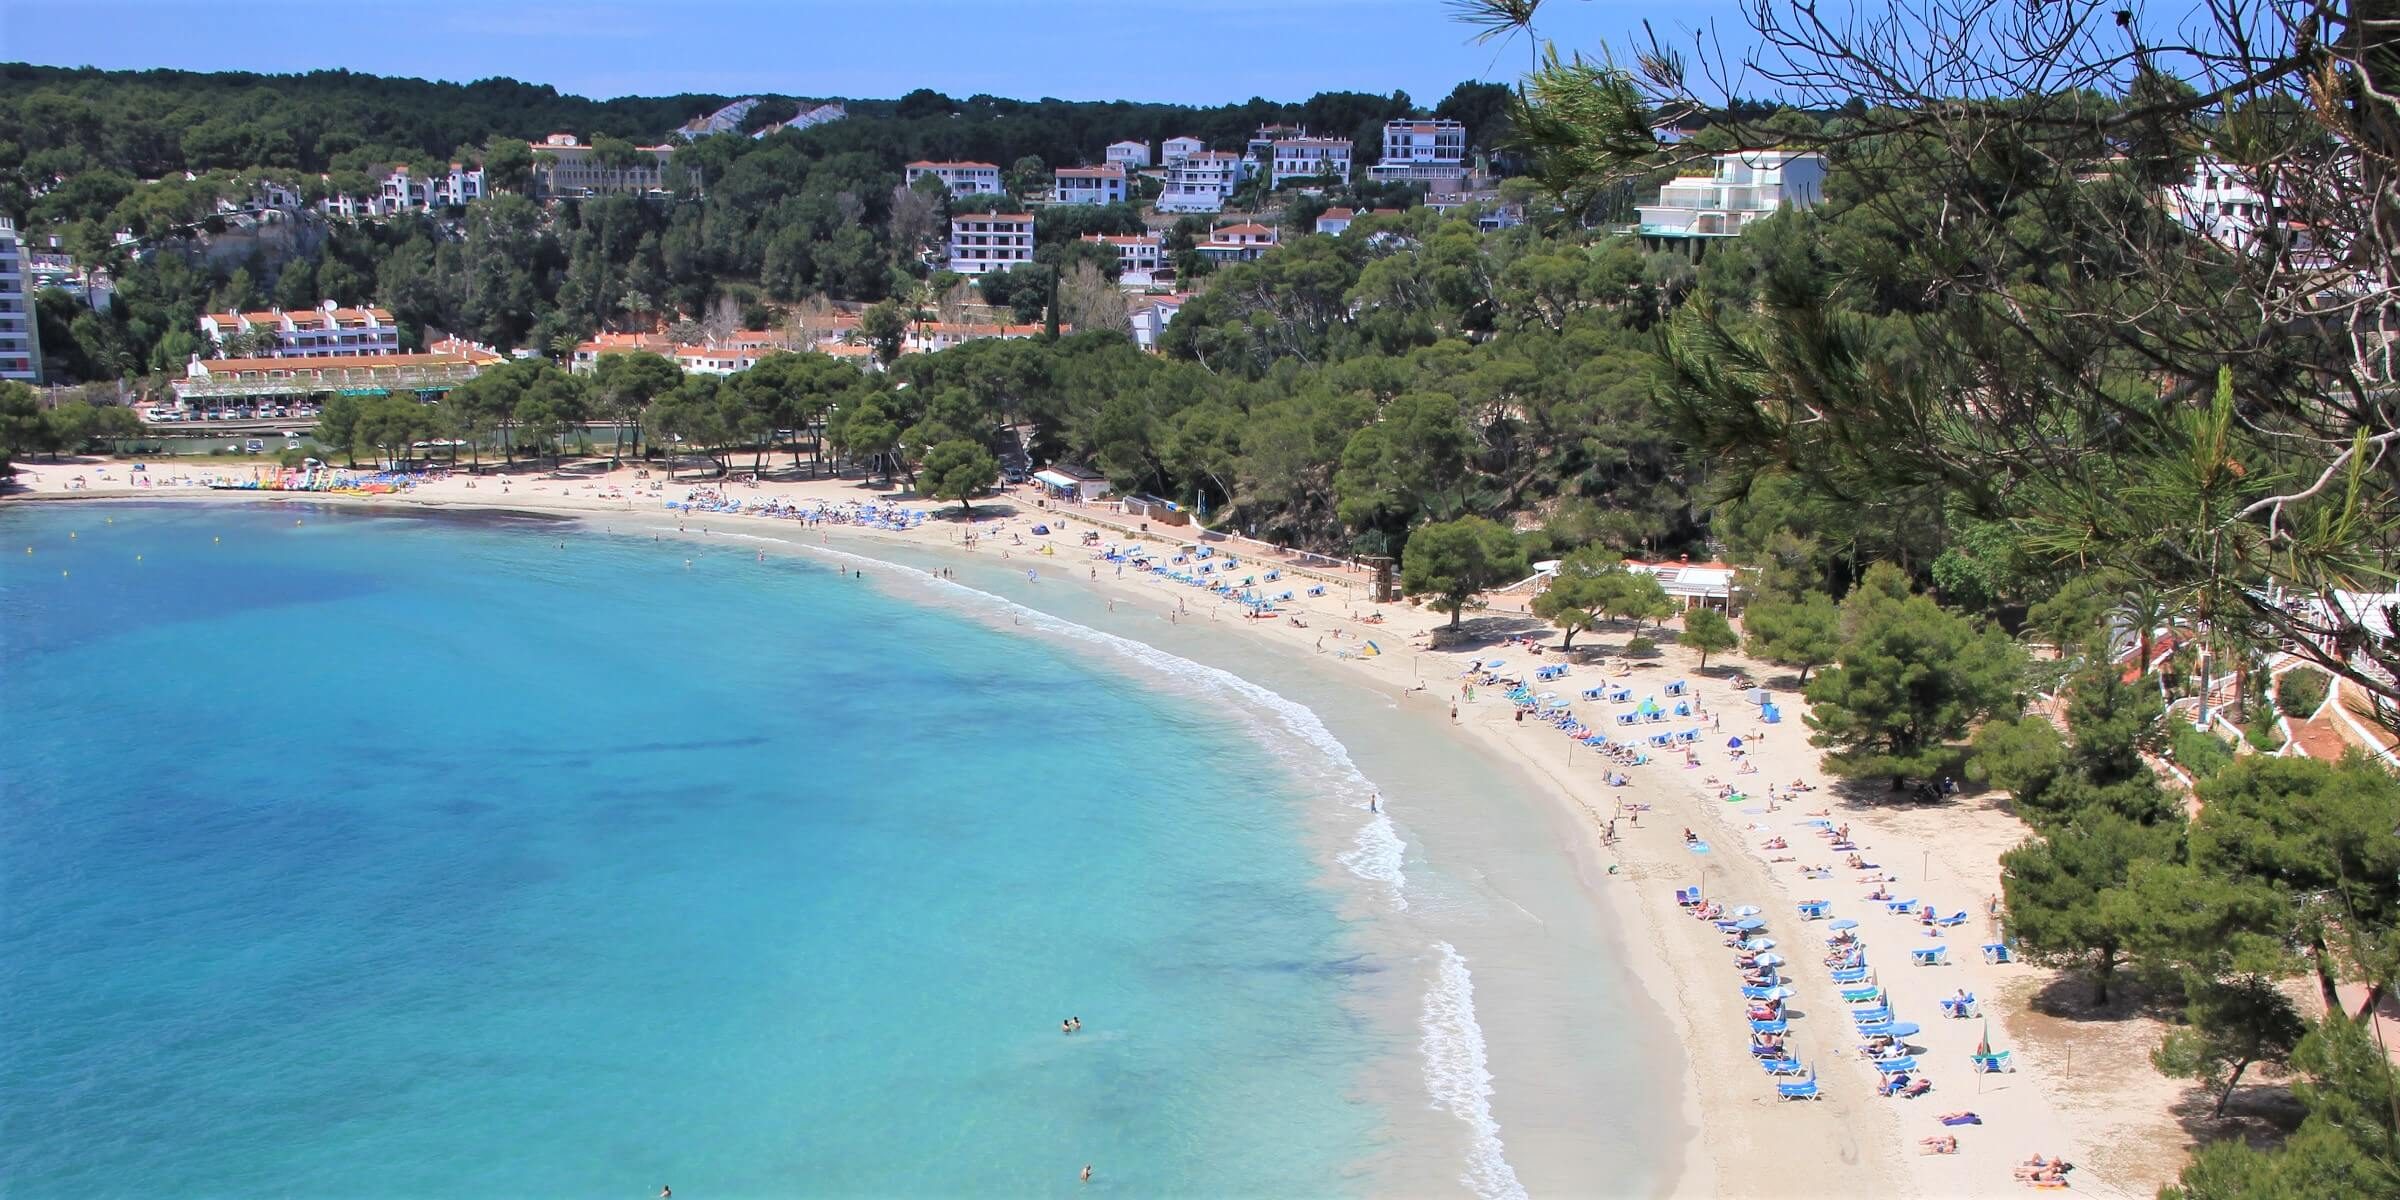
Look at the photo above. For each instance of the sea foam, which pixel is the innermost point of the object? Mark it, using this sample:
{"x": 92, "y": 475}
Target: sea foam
{"x": 1460, "y": 1079}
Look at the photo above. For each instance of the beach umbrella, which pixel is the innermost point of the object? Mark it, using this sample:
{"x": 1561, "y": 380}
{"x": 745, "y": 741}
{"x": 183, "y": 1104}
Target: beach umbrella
{"x": 1749, "y": 923}
{"x": 1769, "y": 960}
{"x": 1759, "y": 944}
{"x": 1733, "y": 743}
{"x": 1747, "y": 910}
{"x": 1904, "y": 1029}
{"x": 1985, "y": 1046}
{"x": 1781, "y": 993}
{"x": 1844, "y": 923}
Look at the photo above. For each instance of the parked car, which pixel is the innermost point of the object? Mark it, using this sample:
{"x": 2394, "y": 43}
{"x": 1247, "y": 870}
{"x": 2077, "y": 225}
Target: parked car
{"x": 254, "y": 446}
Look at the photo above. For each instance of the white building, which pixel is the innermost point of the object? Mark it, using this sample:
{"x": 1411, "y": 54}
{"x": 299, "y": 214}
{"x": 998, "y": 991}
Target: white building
{"x": 1748, "y": 185}
{"x": 1336, "y": 221}
{"x": 402, "y": 192}
{"x": 1129, "y": 155}
{"x": 20, "y": 339}
{"x": 962, "y": 178}
{"x": 2221, "y": 201}
{"x": 1309, "y": 157}
{"x": 823, "y": 114}
{"x": 1201, "y": 182}
{"x": 328, "y": 331}
{"x": 1689, "y": 584}
{"x": 1138, "y": 255}
{"x": 1429, "y": 152}
{"x": 1237, "y": 243}
{"x": 1262, "y": 141}
{"x": 724, "y": 120}
{"x": 1088, "y": 185}
{"x": 981, "y": 242}
{"x": 564, "y": 166}
{"x": 1176, "y": 149}
{"x": 1150, "y": 319}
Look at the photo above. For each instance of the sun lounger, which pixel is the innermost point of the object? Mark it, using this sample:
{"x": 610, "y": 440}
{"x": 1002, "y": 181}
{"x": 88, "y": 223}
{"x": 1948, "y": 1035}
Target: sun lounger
{"x": 1993, "y": 1063}
{"x": 1764, "y": 991}
{"x": 1956, "y": 918}
{"x": 1777, "y": 1025}
{"x": 1872, "y": 1016}
{"x": 1814, "y": 910}
{"x": 1849, "y": 974}
{"x": 1899, "y": 906}
{"x": 1930, "y": 956}
{"x": 1997, "y": 952}
{"x": 1784, "y": 1066}
{"x": 1687, "y": 896}
{"x": 1318, "y": 590}
{"x": 1875, "y": 1029}
{"x": 1955, "y": 1007}
{"x": 1862, "y": 995}
{"x": 1806, "y": 1089}
{"x": 1900, "y": 1065}
{"x": 1678, "y": 688}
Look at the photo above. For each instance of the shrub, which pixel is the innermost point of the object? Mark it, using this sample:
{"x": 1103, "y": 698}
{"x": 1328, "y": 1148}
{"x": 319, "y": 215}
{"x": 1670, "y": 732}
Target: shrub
{"x": 1639, "y": 646}
{"x": 2199, "y": 752}
{"x": 2300, "y": 692}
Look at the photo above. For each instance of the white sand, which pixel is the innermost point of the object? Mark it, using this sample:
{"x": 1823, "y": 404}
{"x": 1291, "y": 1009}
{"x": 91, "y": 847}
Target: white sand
{"x": 2089, "y": 1095}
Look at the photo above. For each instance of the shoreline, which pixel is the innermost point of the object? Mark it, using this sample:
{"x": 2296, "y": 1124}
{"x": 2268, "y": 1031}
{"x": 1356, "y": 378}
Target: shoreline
{"x": 1737, "y": 1138}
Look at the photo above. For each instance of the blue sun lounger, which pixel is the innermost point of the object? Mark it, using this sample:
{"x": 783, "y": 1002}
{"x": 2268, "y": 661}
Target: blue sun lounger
{"x": 1930, "y": 956}
{"x": 1317, "y": 590}
{"x": 1806, "y": 1089}
{"x": 1896, "y": 1066}
{"x": 1775, "y": 1026}
{"x": 1678, "y": 688}
{"x": 1993, "y": 1063}
{"x": 1592, "y": 693}
{"x": 1900, "y": 906}
{"x": 1764, "y": 991}
{"x": 1687, "y": 897}
{"x": 1814, "y": 910}
{"x": 1620, "y": 695}
{"x": 1870, "y": 1016}
{"x": 1849, "y": 974}
{"x": 1784, "y": 1066}
{"x": 1956, "y": 918}
{"x": 1997, "y": 952}
{"x": 1862, "y": 995}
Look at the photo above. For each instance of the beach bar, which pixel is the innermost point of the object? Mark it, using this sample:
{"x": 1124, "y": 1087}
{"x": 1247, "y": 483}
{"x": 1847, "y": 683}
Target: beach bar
{"x": 1072, "y": 483}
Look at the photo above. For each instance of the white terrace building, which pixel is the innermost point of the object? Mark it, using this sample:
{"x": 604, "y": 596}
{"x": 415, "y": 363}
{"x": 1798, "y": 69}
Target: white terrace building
{"x": 984, "y": 242}
{"x": 1748, "y": 185}
{"x": 1308, "y": 158}
{"x": 1427, "y": 152}
{"x": 962, "y": 178}
{"x": 1237, "y": 243}
{"x": 1176, "y": 149}
{"x": 1088, "y": 185}
{"x": 1201, "y": 182}
{"x": 2221, "y": 201}
{"x": 565, "y": 166}
{"x": 329, "y": 331}
{"x": 1130, "y": 156}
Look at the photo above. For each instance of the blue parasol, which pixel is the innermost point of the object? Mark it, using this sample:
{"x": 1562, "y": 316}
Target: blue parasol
{"x": 1749, "y": 923}
{"x": 1844, "y": 923}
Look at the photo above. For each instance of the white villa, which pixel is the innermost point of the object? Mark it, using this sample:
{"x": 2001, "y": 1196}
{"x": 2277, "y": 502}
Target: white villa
{"x": 1748, "y": 185}
{"x": 983, "y": 242}
{"x": 1138, "y": 255}
{"x": 1129, "y": 155}
{"x": 2220, "y": 201}
{"x": 564, "y": 166}
{"x": 1201, "y": 182}
{"x": 1088, "y": 185}
{"x": 1309, "y": 157}
{"x": 962, "y": 178}
{"x": 1237, "y": 243}
{"x": 1176, "y": 149}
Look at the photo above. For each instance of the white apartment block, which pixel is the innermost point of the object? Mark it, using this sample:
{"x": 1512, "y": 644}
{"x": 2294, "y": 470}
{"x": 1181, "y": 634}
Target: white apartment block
{"x": 329, "y": 331}
{"x": 564, "y": 166}
{"x": 402, "y": 192}
{"x": 1137, "y": 254}
{"x": 1309, "y": 157}
{"x": 1088, "y": 185}
{"x": 1201, "y": 182}
{"x": 1262, "y": 142}
{"x": 1131, "y": 156}
{"x": 962, "y": 178}
{"x": 1422, "y": 151}
{"x": 2220, "y": 201}
{"x": 20, "y": 338}
{"x": 982, "y": 242}
{"x": 1176, "y": 149}
{"x": 1748, "y": 185}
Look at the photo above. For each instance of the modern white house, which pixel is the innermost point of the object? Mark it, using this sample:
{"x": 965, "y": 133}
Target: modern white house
{"x": 1336, "y": 221}
{"x": 402, "y": 192}
{"x": 1072, "y": 483}
{"x": 1431, "y": 152}
{"x": 984, "y": 242}
{"x": 1308, "y": 158}
{"x": 1237, "y": 243}
{"x": 1176, "y": 149}
{"x": 1088, "y": 185}
{"x": 962, "y": 178}
{"x": 1748, "y": 185}
{"x": 1138, "y": 254}
{"x": 1201, "y": 181}
{"x": 328, "y": 331}
{"x": 1151, "y": 318}
{"x": 20, "y": 339}
{"x": 565, "y": 166}
{"x": 2221, "y": 201}
{"x": 1129, "y": 155}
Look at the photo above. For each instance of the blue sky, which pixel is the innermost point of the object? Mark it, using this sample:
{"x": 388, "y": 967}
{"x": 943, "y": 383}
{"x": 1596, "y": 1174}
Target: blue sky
{"x": 1187, "y": 51}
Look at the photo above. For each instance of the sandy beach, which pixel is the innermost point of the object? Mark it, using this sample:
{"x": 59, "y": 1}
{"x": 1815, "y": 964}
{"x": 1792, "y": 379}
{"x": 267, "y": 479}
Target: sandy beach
{"x": 2087, "y": 1094}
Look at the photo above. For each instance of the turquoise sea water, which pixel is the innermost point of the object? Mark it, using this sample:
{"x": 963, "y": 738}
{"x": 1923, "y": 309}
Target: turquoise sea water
{"x": 383, "y": 856}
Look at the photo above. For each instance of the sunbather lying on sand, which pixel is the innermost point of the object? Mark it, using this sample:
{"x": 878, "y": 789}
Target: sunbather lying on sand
{"x": 1939, "y": 1145}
